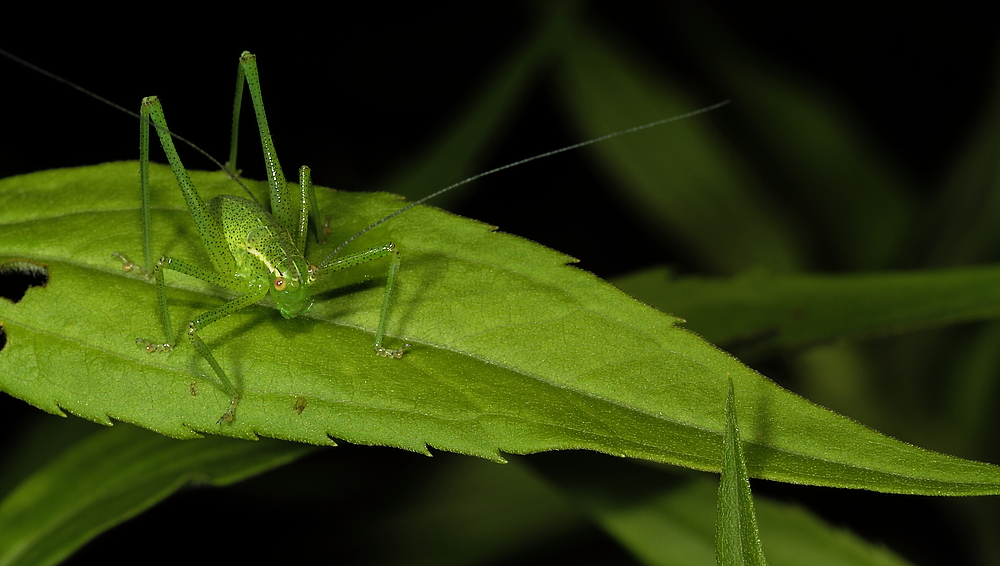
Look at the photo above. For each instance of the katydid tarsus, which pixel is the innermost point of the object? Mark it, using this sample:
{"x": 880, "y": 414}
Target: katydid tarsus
{"x": 256, "y": 252}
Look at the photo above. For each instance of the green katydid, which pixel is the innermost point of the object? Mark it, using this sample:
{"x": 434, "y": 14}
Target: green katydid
{"x": 253, "y": 251}
{"x": 258, "y": 252}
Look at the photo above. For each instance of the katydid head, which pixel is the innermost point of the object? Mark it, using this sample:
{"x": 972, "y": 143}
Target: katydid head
{"x": 291, "y": 288}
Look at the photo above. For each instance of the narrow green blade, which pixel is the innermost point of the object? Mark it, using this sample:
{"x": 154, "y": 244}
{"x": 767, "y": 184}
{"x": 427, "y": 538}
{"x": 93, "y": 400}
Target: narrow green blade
{"x": 737, "y": 542}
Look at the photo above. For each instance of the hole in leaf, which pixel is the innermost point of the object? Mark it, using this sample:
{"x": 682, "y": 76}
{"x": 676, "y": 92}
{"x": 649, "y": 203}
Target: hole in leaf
{"x": 17, "y": 276}
{"x": 3, "y": 337}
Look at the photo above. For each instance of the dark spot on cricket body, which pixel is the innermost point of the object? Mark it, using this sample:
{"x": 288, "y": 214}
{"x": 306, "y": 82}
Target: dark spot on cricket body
{"x": 16, "y": 277}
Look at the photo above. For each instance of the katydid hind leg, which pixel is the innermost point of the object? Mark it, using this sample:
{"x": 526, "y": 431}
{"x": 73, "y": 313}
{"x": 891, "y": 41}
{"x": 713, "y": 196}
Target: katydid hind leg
{"x": 211, "y": 230}
{"x": 209, "y": 227}
{"x": 289, "y": 209}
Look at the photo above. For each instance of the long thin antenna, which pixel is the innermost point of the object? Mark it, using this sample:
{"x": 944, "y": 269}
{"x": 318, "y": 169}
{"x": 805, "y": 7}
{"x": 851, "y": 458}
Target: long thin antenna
{"x": 522, "y": 162}
{"x": 120, "y": 108}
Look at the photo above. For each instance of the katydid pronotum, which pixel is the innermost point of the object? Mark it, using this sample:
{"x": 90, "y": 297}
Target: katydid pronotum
{"x": 256, "y": 252}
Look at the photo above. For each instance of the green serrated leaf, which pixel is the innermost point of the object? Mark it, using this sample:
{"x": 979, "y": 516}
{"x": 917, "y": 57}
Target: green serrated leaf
{"x": 513, "y": 350}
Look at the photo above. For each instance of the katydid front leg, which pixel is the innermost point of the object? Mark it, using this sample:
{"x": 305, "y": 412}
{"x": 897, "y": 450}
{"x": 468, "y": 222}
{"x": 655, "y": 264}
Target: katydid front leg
{"x": 390, "y": 281}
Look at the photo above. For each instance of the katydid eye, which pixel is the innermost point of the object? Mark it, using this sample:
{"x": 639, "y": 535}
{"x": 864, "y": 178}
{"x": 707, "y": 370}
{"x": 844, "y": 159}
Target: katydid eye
{"x": 279, "y": 284}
